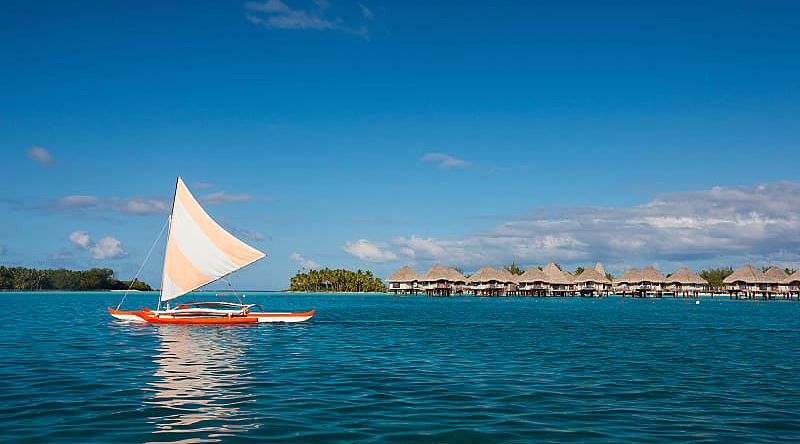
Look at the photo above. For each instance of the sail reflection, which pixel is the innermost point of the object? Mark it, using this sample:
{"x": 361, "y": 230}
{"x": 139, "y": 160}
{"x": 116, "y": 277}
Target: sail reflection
{"x": 200, "y": 387}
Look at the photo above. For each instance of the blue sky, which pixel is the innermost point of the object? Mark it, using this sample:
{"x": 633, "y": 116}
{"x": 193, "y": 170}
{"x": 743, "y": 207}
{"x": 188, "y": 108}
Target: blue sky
{"x": 377, "y": 134}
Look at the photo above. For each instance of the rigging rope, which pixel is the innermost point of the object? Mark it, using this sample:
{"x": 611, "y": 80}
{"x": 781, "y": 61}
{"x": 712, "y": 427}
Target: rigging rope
{"x": 234, "y": 291}
{"x": 141, "y": 267}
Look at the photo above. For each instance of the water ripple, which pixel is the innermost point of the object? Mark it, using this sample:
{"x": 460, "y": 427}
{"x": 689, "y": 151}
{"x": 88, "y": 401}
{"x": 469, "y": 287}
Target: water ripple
{"x": 382, "y": 369}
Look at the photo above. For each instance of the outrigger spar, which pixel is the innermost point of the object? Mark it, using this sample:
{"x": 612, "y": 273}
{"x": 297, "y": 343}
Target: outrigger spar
{"x": 199, "y": 252}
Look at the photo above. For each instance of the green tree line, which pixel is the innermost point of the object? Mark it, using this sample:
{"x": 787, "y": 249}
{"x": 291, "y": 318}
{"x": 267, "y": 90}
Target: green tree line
{"x": 20, "y": 278}
{"x": 715, "y": 276}
{"x": 514, "y": 269}
{"x": 336, "y": 280}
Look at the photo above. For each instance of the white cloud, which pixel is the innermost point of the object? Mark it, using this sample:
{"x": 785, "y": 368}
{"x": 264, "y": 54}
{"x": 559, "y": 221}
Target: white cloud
{"x": 222, "y": 197}
{"x": 202, "y": 185}
{"x": 83, "y": 204}
{"x": 304, "y": 263}
{"x": 250, "y": 234}
{"x": 722, "y": 225}
{"x": 3, "y": 250}
{"x": 60, "y": 255}
{"x": 105, "y": 248}
{"x": 80, "y": 238}
{"x": 270, "y": 6}
{"x": 240, "y": 232}
{"x": 445, "y": 161}
{"x": 366, "y": 12}
{"x": 275, "y": 14}
{"x": 139, "y": 205}
{"x": 104, "y": 207}
{"x": 368, "y": 251}
{"x": 41, "y": 155}
{"x": 77, "y": 201}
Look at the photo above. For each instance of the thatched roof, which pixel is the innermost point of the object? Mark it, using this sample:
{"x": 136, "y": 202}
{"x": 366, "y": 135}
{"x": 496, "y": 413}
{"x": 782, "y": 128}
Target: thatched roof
{"x": 439, "y": 273}
{"x": 551, "y": 268}
{"x": 686, "y": 276}
{"x": 775, "y": 275}
{"x": 509, "y": 276}
{"x": 487, "y": 274}
{"x": 556, "y": 276}
{"x": 591, "y": 275}
{"x": 646, "y": 274}
{"x": 433, "y": 273}
{"x": 747, "y": 274}
{"x": 795, "y": 277}
{"x": 533, "y": 274}
{"x": 631, "y": 276}
{"x": 600, "y": 269}
{"x": 455, "y": 275}
{"x": 650, "y": 274}
{"x": 405, "y": 274}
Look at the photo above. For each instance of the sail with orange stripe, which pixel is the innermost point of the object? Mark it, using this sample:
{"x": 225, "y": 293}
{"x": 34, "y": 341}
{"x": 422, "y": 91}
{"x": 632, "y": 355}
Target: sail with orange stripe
{"x": 199, "y": 251}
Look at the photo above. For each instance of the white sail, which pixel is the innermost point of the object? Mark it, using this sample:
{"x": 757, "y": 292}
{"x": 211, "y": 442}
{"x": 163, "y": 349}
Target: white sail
{"x": 199, "y": 251}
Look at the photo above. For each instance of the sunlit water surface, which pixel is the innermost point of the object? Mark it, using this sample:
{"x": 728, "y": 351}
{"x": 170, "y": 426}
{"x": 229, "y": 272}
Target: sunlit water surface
{"x": 376, "y": 368}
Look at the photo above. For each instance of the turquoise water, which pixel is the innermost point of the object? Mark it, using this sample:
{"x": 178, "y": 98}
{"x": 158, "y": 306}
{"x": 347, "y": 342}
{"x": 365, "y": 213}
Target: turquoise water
{"x": 383, "y": 369}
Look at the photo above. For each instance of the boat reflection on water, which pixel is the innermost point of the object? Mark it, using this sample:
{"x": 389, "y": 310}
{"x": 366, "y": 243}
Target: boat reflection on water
{"x": 200, "y": 389}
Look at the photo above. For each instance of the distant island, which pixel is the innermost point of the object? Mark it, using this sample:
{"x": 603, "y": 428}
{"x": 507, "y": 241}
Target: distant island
{"x": 336, "y": 281}
{"x": 31, "y": 279}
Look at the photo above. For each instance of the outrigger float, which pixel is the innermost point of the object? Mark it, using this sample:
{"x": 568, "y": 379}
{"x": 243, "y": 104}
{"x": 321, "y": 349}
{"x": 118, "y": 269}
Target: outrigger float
{"x": 199, "y": 252}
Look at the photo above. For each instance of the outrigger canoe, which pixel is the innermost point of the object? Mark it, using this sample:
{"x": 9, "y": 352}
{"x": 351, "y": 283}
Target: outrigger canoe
{"x": 199, "y": 252}
{"x": 207, "y": 316}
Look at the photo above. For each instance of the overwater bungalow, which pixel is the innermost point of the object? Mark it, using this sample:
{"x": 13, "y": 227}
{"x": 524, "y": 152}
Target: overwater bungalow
{"x": 592, "y": 282}
{"x": 747, "y": 281}
{"x": 533, "y": 283}
{"x": 793, "y": 285}
{"x": 774, "y": 279}
{"x": 686, "y": 283}
{"x": 653, "y": 281}
{"x": 561, "y": 282}
{"x": 490, "y": 281}
{"x": 626, "y": 283}
{"x": 750, "y": 282}
{"x": 405, "y": 281}
{"x": 511, "y": 281}
{"x": 641, "y": 283}
{"x": 440, "y": 281}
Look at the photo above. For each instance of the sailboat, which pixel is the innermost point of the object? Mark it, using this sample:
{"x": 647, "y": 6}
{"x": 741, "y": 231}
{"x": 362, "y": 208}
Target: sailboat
{"x": 199, "y": 252}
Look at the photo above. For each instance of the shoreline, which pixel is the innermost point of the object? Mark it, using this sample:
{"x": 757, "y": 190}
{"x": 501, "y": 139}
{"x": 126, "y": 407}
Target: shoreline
{"x": 197, "y": 292}
{"x": 706, "y": 296}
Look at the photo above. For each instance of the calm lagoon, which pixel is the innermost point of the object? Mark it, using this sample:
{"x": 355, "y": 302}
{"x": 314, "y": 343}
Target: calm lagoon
{"x": 377, "y": 368}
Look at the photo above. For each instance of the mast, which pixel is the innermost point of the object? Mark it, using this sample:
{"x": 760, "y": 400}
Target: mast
{"x": 169, "y": 231}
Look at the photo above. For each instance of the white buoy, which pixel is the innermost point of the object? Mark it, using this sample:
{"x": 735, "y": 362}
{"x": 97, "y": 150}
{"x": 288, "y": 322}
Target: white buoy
{"x": 696, "y": 302}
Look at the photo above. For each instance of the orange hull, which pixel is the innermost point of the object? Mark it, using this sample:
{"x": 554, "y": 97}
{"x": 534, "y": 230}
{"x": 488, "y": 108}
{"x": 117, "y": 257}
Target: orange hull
{"x": 146, "y": 315}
